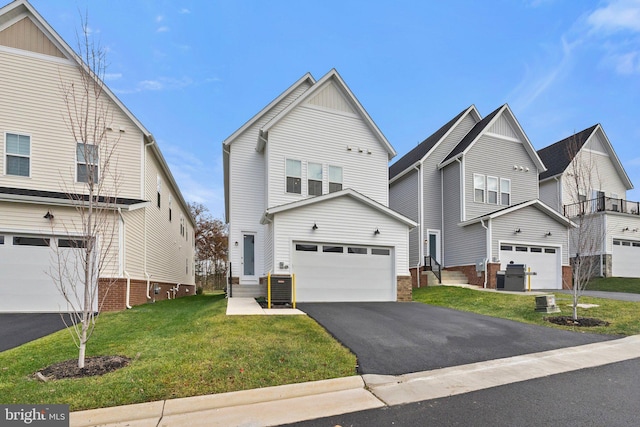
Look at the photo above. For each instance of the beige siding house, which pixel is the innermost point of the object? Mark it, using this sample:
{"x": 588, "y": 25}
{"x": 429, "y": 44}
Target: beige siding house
{"x": 150, "y": 252}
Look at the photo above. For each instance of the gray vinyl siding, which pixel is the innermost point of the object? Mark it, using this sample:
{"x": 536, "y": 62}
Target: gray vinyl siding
{"x": 550, "y": 194}
{"x": 453, "y": 236}
{"x": 533, "y": 225}
{"x": 404, "y": 199}
{"x": 247, "y": 195}
{"x": 491, "y": 156}
{"x": 502, "y": 127}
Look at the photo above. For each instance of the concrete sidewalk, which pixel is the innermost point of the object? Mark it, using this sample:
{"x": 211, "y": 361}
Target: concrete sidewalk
{"x": 305, "y": 401}
{"x": 250, "y": 307}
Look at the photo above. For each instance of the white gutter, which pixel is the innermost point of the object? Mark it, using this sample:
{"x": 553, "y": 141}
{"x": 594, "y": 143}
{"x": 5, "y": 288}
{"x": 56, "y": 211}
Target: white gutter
{"x": 486, "y": 258}
{"x": 128, "y": 289}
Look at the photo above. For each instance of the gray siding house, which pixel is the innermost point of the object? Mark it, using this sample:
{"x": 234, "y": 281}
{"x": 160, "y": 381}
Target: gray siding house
{"x": 472, "y": 187}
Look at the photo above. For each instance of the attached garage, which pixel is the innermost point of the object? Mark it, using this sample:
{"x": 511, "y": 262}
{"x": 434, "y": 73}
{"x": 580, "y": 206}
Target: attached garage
{"x": 546, "y": 262}
{"x": 26, "y": 264}
{"x": 624, "y": 258}
{"x": 328, "y": 272}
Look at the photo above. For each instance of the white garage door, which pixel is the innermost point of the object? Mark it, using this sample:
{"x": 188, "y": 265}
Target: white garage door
{"x": 26, "y": 284}
{"x": 331, "y": 272}
{"x": 544, "y": 261}
{"x": 625, "y": 258}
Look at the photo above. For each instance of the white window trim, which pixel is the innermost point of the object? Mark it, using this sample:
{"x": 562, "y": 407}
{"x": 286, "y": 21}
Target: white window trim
{"x": 287, "y": 176}
{"x": 17, "y": 155}
{"x": 321, "y": 178}
{"x": 77, "y": 162}
{"x": 497, "y": 190}
{"x": 329, "y": 182}
{"x": 508, "y": 192}
{"x": 484, "y": 188}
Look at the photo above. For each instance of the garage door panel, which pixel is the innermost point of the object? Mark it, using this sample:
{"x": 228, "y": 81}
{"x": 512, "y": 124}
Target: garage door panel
{"x": 624, "y": 258}
{"x": 334, "y": 276}
{"x": 544, "y": 261}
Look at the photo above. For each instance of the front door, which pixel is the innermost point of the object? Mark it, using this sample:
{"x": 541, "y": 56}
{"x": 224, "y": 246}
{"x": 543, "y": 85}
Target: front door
{"x": 248, "y": 257}
{"x": 433, "y": 244}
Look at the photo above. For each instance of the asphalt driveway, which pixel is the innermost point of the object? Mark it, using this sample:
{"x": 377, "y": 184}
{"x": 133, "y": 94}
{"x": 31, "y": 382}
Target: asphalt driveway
{"x": 20, "y": 328}
{"x": 396, "y": 338}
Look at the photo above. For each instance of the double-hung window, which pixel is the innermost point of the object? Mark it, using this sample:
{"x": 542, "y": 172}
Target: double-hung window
{"x": 158, "y": 189}
{"x": 505, "y": 191}
{"x": 478, "y": 188}
{"x": 18, "y": 152}
{"x": 492, "y": 190}
{"x": 88, "y": 163}
{"x": 335, "y": 179}
{"x": 314, "y": 179}
{"x": 294, "y": 176}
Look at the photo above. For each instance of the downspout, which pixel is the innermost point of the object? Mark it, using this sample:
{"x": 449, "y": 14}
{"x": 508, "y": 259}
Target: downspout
{"x": 124, "y": 264}
{"x": 148, "y": 284}
{"x": 559, "y": 193}
{"x": 144, "y": 192}
{"x": 420, "y": 237}
{"x": 486, "y": 258}
{"x": 128, "y": 289}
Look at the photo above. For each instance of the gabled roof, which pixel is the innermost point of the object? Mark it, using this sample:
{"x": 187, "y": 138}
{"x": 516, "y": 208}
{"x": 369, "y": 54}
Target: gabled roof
{"x": 423, "y": 149}
{"x": 558, "y": 156}
{"x": 18, "y": 8}
{"x": 351, "y": 98}
{"x": 476, "y": 132}
{"x": 543, "y": 207}
{"x": 348, "y": 192}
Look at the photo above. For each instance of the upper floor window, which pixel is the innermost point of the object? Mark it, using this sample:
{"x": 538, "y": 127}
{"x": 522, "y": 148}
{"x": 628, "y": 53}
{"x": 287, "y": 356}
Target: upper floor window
{"x": 18, "y": 151}
{"x": 170, "y": 203}
{"x": 88, "y": 163}
{"x": 505, "y": 191}
{"x": 158, "y": 188}
{"x": 478, "y": 188}
{"x": 492, "y": 190}
{"x": 314, "y": 179}
{"x": 294, "y": 176}
{"x": 182, "y": 226}
{"x": 335, "y": 179}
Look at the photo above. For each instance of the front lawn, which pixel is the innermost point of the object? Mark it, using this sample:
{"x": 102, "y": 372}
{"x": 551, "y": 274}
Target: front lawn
{"x": 624, "y": 317}
{"x": 615, "y": 284}
{"x": 180, "y": 348}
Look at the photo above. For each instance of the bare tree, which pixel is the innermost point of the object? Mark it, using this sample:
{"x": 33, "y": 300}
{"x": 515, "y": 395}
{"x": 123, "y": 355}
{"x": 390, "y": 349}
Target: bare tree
{"x": 211, "y": 245}
{"x": 86, "y": 251}
{"x": 585, "y": 241}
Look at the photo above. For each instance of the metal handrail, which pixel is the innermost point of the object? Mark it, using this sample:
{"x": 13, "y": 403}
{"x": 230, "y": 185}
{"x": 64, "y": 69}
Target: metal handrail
{"x": 430, "y": 262}
{"x": 602, "y": 204}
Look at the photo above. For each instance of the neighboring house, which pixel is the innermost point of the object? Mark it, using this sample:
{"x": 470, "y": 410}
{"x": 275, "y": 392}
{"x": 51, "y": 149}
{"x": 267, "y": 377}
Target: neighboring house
{"x": 152, "y": 254}
{"x": 597, "y": 199}
{"x": 306, "y": 194}
{"x": 472, "y": 187}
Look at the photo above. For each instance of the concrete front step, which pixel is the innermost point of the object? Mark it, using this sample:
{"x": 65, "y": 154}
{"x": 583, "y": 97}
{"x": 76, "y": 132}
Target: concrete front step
{"x": 449, "y": 277}
{"x": 248, "y": 291}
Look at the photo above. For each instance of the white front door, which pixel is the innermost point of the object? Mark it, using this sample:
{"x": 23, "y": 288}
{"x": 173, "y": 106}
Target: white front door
{"x": 249, "y": 258}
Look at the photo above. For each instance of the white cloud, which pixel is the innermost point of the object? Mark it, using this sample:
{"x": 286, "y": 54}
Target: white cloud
{"x": 161, "y": 83}
{"x": 618, "y": 15}
{"x": 626, "y": 63}
{"x": 159, "y": 18}
{"x": 162, "y": 29}
{"x": 633, "y": 162}
{"x": 184, "y": 11}
{"x": 112, "y": 76}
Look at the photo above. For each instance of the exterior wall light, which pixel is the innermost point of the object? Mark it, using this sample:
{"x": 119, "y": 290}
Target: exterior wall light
{"x": 375, "y": 233}
{"x": 315, "y": 226}
{"x": 49, "y": 216}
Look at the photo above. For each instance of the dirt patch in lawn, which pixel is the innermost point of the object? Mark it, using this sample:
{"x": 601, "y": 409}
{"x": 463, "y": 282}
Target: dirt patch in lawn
{"x": 98, "y": 365}
{"x": 581, "y": 321}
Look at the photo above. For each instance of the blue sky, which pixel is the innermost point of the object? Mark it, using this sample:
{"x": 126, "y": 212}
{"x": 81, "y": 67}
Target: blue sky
{"x": 194, "y": 71}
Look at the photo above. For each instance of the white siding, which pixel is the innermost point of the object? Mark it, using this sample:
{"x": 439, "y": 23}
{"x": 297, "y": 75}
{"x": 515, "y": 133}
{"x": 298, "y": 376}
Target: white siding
{"x": 598, "y": 174}
{"x": 497, "y": 157}
{"x": 316, "y": 135}
{"x": 340, "y": 220}
{"x": 616, "y": 223}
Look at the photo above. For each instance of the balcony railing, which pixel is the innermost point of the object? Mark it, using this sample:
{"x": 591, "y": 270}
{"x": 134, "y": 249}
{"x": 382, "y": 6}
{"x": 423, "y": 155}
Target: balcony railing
{"x": 602, "y": 204}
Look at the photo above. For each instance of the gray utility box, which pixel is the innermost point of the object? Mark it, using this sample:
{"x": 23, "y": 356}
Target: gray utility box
{"x": 500, "y": 280}
{"x": 514, "y": 278}
{"x": 281, "y": 289}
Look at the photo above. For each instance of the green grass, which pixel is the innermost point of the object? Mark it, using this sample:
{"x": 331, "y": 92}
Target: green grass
{"x": 624, "y": 317}
{"x": 182, "y": 347}
{"x": 614, "y": 284}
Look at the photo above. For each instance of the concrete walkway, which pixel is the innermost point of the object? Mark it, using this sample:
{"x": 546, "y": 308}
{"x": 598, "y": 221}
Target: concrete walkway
{"x": 304, "y": 401}
{"x": 249, "y": 306}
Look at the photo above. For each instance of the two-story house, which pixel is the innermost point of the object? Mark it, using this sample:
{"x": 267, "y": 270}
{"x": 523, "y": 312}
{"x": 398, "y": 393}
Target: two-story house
{"x": 586, "y": 182}
{"x": 472, "y": 187}
{"x": 306, "y": 195}
{"x": 148, "y": 253}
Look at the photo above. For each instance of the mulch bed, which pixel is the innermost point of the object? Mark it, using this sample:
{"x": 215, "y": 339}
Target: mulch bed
{"x": 582, "y": 321}
{"x": 97, "y": 365}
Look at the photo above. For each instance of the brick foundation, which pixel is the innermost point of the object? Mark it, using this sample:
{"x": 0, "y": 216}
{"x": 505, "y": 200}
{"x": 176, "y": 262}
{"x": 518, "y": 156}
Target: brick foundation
{"x": 112, "y": 293}
{"x": 404, "y": 289}
{"x": 567, "y": 277}
{"x": 477, "y": 279}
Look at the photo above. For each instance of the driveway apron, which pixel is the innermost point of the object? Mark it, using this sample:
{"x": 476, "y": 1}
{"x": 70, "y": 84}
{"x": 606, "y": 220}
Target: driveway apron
{"x": 20, "y": 328}
{"x": 396, "y": 338}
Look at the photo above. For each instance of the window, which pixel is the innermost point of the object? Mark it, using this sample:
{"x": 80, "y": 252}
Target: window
{"x": 335, "y": 179}
{"x": 375, "y": 251}
{"x": 506, "y": 248}
{"x": 186, "y": 266}
{"x": 72, "y": 243}
{"x": 625, "y": 243}
{"x": 30, "y": 241}
{"x": 170, "y": 207}
{"x": 18, "y": 149}
{"x": 478, "y": 188}
{"x": 182, "y": 227}
{"x": 505, "y": 191}
{"x": 1, "y": 240}
{"x": 294, "y": 173}
{"x": 549, "y": 251}
{"x": 158, "y": 188}
{"x": 536, "y": 250}
{"x": 492, "y": 190}
{"x": 521, "y": 249}
{"x": 636, "y": 245}
{"x": 616, "y": 242}
{"x": 88, "y": 163}
{"x": 360, "y": 251}
{"x": 307, "y": 248}
{"x": 334, "y": 249}
{"x": 314, "y": 179}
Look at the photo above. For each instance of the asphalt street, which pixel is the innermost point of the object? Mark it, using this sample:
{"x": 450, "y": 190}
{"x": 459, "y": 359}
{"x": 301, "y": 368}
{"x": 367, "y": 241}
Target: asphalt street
{"x": 20, "y": 328}
{"x": 604, "y": 396}
{"x": 397, "y": 338}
